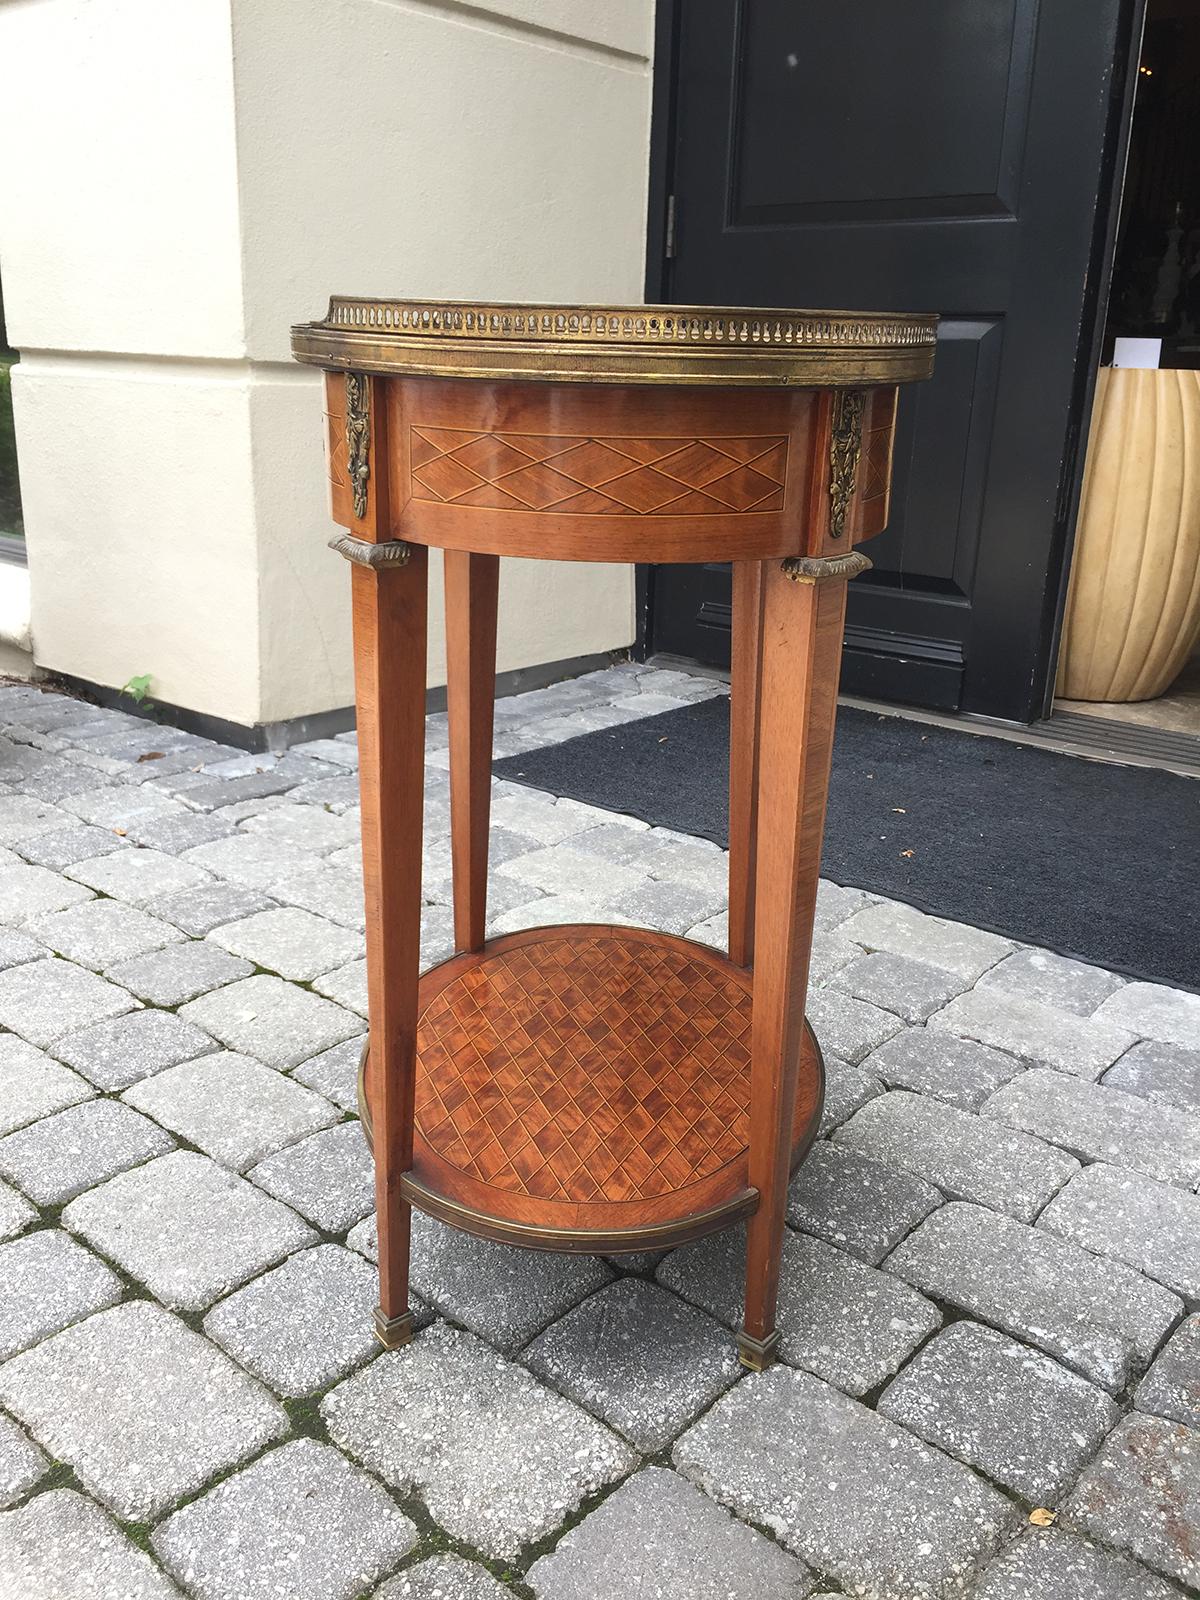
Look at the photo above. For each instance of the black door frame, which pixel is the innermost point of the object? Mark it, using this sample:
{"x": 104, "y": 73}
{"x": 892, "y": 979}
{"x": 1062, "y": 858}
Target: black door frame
{"x": 660, "y": 251}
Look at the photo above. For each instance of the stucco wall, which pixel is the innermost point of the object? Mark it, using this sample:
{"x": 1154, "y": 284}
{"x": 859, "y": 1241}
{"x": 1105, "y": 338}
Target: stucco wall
{"x": 211, "y": 172}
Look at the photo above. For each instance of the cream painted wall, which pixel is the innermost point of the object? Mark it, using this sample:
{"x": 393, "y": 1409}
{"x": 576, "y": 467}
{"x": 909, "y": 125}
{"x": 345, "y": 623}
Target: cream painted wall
{"x": 213, "y": 171}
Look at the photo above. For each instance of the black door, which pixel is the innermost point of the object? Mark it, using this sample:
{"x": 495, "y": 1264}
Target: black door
{"x": 920, "y": 155}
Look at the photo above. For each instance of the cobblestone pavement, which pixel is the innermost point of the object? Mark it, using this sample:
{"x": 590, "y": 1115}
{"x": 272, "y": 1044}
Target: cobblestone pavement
{"x": 990, "y": 1383}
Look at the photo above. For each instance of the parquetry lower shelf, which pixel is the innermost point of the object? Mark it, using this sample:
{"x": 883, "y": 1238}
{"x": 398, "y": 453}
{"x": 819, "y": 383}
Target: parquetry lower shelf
{"x": 587, "y": 1088}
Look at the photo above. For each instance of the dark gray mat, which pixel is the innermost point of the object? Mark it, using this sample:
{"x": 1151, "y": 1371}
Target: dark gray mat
{"x": 1093, "y": 860}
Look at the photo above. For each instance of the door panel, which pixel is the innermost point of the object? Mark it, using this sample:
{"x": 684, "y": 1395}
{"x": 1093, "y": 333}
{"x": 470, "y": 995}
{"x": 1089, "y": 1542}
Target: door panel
{"x": 926, "y": 156}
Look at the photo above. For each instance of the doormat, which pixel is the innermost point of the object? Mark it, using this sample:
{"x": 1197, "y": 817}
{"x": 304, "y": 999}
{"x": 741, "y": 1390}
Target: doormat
{"x": 1095, "y": 861}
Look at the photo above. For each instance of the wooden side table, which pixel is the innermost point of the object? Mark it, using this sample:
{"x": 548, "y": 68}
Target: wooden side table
{"x": 591, "y": 1088}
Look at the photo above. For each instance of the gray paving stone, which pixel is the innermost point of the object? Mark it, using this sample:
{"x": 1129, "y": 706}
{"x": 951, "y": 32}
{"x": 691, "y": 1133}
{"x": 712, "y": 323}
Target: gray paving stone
{"x": 304, "y": 1324}
{"x": 1038, "y": 1034}
{"x": 1102, "y": 1124}
{"x": 560, "y": 869}
{"x": 830, "y": 953}
{"x": 909, "y": 989}
{"x": 305, "y": 826}
{"x": 859, "y": 1204}
{"x": 347, "y": 986}
{"x": 138, "y": 875}
{"x": 302, "y": 1523}
{"x": 933, "y": 1062}
{"x": 117, "y": 1053}
{"x": 1165, "y": 1073}
{"x": 271, "y": 1020}
{"x": 1049, "y": 1564}
{"x": 62, "y": 1547}
{"x": 1025, "y": 1421}
{"x": 1142, "y": 1494}
{"x": 846, "y": 1088}
{"x": 57, "y": 1158}
{"x": 100, "y": 933}
{"x": 22, "y": 1466}
{"x": 666, "y": 905}
{"x": 48, "y": 999}
{"x": 186, "y": 1228}
{"x": 1153, "y": 1011}
{"x": 1171, "y": 1388}
{"x": 115, "y": 808}
{"x": 666, "y": 1539}
{"x": 334, "y": 1073}
{"x": 15, "y": 1212}
{"x": 502, "y": 1292}
{"x": 294, "y": 943}
{"x": 199, "y": 911}
{"x": 180, "y": 973}
{"x": 444, "y": 1578}
{"x": 22, "y": 817}
{"x": 638, "y": 1358}
{"x": 540, "y": 816}
{"x": 250, "y": 859}
{"x": 1099, "y": 1318}
{"x": 849, "y": 1029}
{"x": 30, "y": 893}
{"x": 338, "y": 794}
{"x": 173, "y": 832}
{"x": 850, "y": 1324}
{"x": 16, "y": 949}
{"x": 326, "y": 891}
{"x": 836, "y": 904}
{"x": 1154, "y": 1227}
{"x": 33, "y": 1085}
{"x": 143, "y": 1409}
{"x": 234, "y": 1109}
{"x": 889, "y": 925}
{"x": 853, "y": 1495}
{"x": 63, "y": 847}
{"x": 713, "y": 931}
{"x": 217, "y": 792}
{"x": 328, "y": 1177}
{"x": 966, "y": 1156}
{"x": 548, "y": 911}
{"x": 1053, "y": 980}
{"x": 499, "y": 1460}
{"x": 49, "y": 1282}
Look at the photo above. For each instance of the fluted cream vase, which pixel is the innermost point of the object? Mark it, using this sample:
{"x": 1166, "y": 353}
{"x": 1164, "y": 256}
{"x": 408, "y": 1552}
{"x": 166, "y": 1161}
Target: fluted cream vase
{"x": 1133, "y": 607}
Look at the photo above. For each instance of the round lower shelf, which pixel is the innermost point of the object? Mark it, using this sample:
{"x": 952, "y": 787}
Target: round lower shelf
{"x": 588, "y": 1088}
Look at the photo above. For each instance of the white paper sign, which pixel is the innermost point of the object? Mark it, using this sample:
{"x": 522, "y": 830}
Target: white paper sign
{"x": 1136, "y": 352}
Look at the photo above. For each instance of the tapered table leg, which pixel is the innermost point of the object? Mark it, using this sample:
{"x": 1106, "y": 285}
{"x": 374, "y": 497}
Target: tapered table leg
{"x": 472, "y": 588}
{"x": 802, "y": 642}
{"x": 389, "y": 607}
{"x": 746, "y": 665}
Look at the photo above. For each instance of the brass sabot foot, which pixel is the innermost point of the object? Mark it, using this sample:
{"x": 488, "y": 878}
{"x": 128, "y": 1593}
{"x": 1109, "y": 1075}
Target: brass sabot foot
{"x": 757, "y": 1354}
{"x": 392, "y": 1332}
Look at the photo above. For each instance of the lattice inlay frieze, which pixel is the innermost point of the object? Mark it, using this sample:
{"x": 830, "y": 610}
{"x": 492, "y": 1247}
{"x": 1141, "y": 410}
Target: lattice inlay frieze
{"x": 577, "y": 475}
{"x": 600, "y": 1069}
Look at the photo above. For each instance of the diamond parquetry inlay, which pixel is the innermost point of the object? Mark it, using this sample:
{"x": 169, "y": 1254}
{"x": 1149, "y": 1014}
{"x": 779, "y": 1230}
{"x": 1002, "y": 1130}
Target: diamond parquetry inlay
{"x": 611, "y": 476}
{"x": 598, "y": 1069}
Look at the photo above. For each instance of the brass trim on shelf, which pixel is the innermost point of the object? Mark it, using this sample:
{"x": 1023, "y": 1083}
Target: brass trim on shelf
{"x": 358, "y": 439}
{"x": 579, "y": 1241}
{"x": 719, "y": 345}
{"x": 845, "y": 449}
{"x": 364, "y": 553}
{"x": 826, "y": 569}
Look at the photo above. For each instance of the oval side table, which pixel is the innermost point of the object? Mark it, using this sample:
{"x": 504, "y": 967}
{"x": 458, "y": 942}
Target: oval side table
{"x": 592, "y": 1088}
